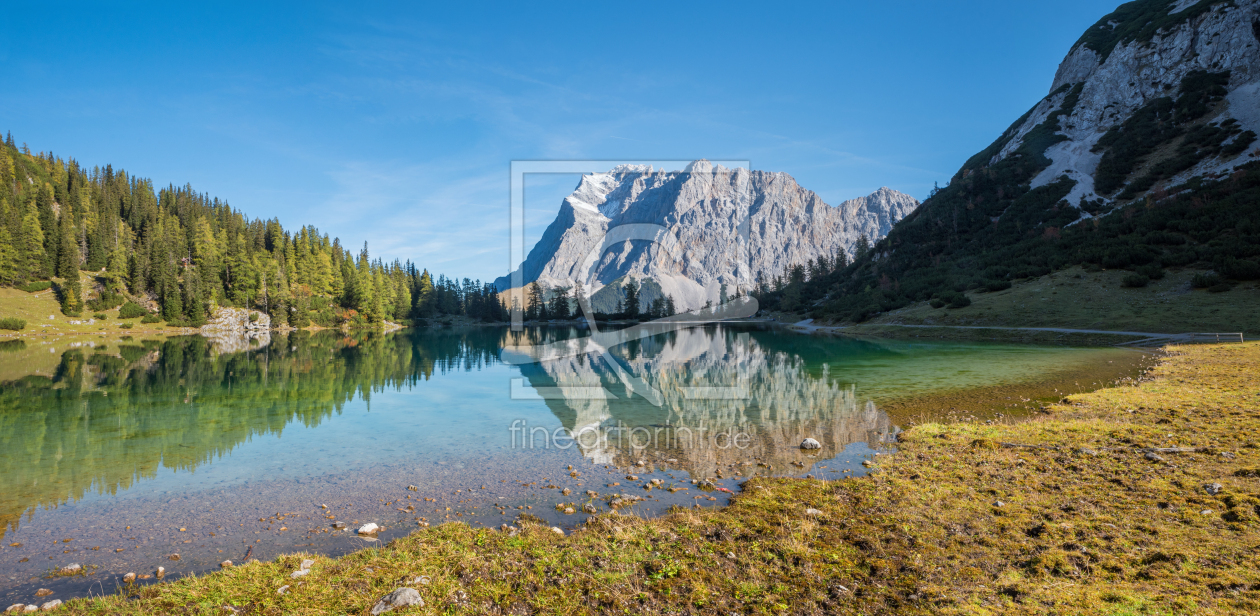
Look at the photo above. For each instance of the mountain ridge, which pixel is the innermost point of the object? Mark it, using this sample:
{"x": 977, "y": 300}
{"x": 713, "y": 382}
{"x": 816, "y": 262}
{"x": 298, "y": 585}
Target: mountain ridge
{"x": 734, "y": 227}
{"x": 1143, "y": 156}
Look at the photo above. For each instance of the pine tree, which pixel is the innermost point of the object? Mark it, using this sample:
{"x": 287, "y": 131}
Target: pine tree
{"x": 67, "y": 252}
{"x": 8, "y": 258}
{"x": 560, "y": 304}
{"x": 631, "y": 311}
{"x": 535, "y": 309}
{"x": 32, "y": 260}
{"x": 862, "y": 247}
{"x": 424, "y": 299}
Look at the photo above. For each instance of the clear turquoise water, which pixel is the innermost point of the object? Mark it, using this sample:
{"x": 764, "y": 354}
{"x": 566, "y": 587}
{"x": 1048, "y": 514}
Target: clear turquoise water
{"x": 128, "y": 441}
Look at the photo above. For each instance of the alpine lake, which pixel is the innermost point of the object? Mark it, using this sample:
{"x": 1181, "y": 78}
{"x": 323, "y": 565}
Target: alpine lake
{"x": 126, "y": 454}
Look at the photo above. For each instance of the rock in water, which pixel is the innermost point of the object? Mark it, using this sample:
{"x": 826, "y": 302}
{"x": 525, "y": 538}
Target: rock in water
{"x": 71, "y": 569}
{"x": 225, "y": 564}
{"x": 810, "y": 443}
{"x": 129, "y": 578}
{"x": 369, "y": 529}
{"x": 403, "y": 597}
{"x": 51, "y": 605}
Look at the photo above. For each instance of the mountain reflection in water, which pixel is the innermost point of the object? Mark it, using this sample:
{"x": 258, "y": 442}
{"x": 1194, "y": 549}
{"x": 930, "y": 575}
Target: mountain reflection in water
{"x": 715, "y": 397}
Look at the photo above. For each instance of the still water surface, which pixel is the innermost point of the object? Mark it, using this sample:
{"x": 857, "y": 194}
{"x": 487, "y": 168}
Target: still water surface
{"x": 123, "y": 455}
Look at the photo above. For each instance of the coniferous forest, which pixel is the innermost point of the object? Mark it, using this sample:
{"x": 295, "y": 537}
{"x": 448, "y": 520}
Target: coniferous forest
{"x": 177, "y": 254}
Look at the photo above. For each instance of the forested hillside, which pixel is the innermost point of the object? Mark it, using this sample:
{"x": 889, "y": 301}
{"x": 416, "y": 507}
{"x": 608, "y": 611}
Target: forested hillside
{"x": 1142, "y": 157}
{"x": 179, "y": 254}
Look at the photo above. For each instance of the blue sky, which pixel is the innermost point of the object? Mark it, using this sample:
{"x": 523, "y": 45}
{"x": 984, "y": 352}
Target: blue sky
{"x": 396, "y": 124}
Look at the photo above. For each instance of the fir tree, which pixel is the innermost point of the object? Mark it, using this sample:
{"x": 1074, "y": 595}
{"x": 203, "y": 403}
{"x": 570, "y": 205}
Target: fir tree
{"x": 631, "y": 310}
{"x": 560, "y": 304}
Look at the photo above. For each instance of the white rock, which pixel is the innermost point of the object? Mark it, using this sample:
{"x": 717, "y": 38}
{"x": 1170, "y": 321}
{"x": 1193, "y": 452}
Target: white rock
{"x": 71, "y": 569}
{"x": 51, "y": 605}
{"x": 299, "y": 573}
{"x": 707, "y": 209}
{"x": 403, "y": 597}
{"x": 557, "y": 530}
{"x": 1135, "y": 73}
{"x": 369, "y": 529}
{"x": 308, "y": 563}
{"x": 283, "y": 590}
{"x": 16, "y": 607}
{"x": 813, "y": 512}
{"x": 810, "y": 443}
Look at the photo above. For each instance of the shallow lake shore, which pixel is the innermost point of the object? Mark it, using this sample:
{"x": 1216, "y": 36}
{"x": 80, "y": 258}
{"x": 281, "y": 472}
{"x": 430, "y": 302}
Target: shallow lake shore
{"x": 1134, "y": 499}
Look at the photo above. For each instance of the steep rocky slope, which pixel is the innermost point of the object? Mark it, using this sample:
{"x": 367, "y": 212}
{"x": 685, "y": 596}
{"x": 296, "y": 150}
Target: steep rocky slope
{"x": 1143, "y": 157}
{"x": 730, "y": 227}
{"x": 1153, "y": 94}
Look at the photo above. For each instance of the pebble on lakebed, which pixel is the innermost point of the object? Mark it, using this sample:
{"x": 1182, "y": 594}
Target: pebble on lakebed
{"x": 370, "y": 528}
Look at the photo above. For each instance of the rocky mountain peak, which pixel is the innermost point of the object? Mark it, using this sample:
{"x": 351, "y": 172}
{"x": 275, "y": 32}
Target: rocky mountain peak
{"x": 734, "y": 226}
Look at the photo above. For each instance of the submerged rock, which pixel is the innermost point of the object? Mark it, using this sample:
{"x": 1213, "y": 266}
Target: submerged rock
{"x": 403, "y": 597}
{"x": 370, "y": 528}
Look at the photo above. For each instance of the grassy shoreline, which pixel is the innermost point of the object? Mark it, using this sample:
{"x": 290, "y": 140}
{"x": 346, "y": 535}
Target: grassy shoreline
{"x": 1075, "y": 519}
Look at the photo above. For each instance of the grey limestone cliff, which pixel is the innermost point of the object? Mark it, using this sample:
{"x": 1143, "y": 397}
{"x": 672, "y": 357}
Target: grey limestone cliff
{"x": 730, "y": 227}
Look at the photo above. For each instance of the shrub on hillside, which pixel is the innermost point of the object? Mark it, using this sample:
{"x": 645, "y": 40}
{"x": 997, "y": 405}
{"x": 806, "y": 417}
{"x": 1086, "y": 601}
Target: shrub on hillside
{"x": 1152, "y": 271}
{"x": 1134, "y": 281}
{"x": 150, "y": 318}
{"x": 1219, "y": 288}
{"x": 131, "y": 310}
{"x": 937, "y": 302}
{"x": 36, "y": 286}
{"x": 100, "y": 316}
{"x": 126, "y": 326}
{"x": 959, "y": 301}
{"x": 1240, "y": 269}
{"x": 13, "y": 323}
{"x": 106, "y": 301}
{"x": 997, "y": 285}
{"x": 1205, "y": 281}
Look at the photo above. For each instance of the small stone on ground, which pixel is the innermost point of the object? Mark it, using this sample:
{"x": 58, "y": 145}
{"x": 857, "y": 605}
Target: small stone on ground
{"x": 403, "y": 597}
